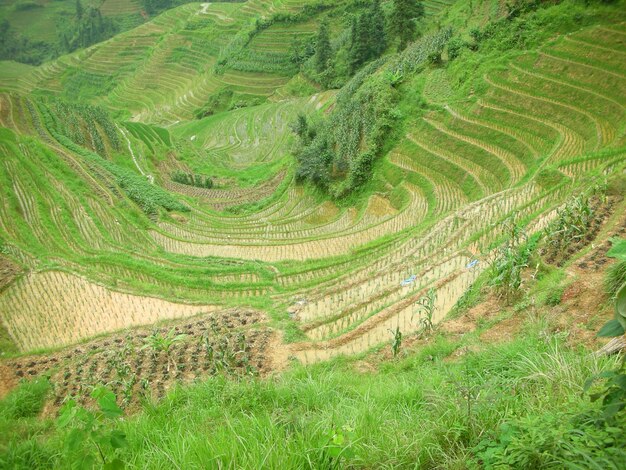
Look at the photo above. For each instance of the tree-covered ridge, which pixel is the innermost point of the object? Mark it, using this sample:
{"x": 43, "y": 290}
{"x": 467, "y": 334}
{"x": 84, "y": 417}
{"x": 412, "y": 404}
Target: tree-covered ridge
{"x": 339, "y": 158}
{"x": 77, "y": 26}
{"x": 68, "y": 25}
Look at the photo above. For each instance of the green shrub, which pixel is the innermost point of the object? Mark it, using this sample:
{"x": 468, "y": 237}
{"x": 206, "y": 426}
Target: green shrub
{"x": 337, "y": 154}
{"x": 189, "y": 179}
{"x": 217, "y": 103}
{"x": 553, "y": 440}
{"x": 455, "y": 45}
{"x": 616, "y": 274}
{"x": 25, "y": 401}
{"x": 615, "y": 277}
{"x": 554, "y": 296}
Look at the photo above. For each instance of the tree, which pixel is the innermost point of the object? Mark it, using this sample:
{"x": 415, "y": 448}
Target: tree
{"x": 360, "y": 51}
{"x": 378, "y": 35}
{"x": 301, "y": 50}
{"x": 155, "y": 6}
{"x": 79, "y": 10}
{"x": 368, "y": 38}
{"x": 323, "y": 49}
{"x": 455, "y": 45}
{"x": 403, "y": 17}
{"x": 5, "y": 26}
{"x": 354, "y": 34}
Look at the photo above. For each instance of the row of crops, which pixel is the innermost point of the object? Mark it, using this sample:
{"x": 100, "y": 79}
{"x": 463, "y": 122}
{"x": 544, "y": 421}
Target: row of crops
{"x": 145, "y": 363}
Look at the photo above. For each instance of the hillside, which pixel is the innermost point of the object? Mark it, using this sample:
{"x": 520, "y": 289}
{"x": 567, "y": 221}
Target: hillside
{"x": 260, "y": 197}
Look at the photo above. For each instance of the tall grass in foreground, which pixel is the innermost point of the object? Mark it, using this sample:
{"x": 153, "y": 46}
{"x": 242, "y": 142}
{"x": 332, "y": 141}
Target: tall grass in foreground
{"x": 419, "y": 411}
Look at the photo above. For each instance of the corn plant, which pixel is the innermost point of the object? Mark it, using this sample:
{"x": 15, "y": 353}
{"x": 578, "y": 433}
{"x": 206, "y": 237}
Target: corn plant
{"x": 426, "y": 305}
{"x": 396, "y": 342}
{"x": 571, "y": 225}
{"x": 163, "y": 343}
{"x": 510, "y": 261}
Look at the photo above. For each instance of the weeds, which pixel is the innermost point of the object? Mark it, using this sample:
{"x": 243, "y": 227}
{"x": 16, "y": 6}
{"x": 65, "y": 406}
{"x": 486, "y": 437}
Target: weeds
{"x": 89, "y": 431}
{"x": 613, "y": 394}
{"x": 616, "y": 274}
{"x": 25, "y": 401}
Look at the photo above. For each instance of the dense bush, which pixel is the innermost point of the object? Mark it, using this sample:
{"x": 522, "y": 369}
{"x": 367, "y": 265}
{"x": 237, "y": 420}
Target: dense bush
{"x": 88, "y": 28}
{"x": 217, "y": 102}
{"x": 14, "y": 46}
{"x": 337, "y": 153}
{"x": 552, "y": 441}
{"x": 189, "y": 179}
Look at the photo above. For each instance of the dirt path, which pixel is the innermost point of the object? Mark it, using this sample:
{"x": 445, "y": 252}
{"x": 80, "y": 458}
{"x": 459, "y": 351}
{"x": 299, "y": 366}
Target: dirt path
{"x": 132, "y": 153}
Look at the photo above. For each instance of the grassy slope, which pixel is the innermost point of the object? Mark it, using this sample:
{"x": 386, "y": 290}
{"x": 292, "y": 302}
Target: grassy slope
{"x": 427, "y": 409}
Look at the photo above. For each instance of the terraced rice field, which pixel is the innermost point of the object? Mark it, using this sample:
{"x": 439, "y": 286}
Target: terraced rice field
{"x": 163, "y": 70}
{"x": 120, "y": 7}
{"x": 346, "y": 275}
{"x": 54, "y": 308}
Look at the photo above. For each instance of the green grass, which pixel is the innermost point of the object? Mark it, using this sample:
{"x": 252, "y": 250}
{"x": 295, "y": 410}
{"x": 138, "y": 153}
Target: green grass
{"x": 7, "y": 346}
{"x": 418, "y": 411}
{"x": 25, "y": 401}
